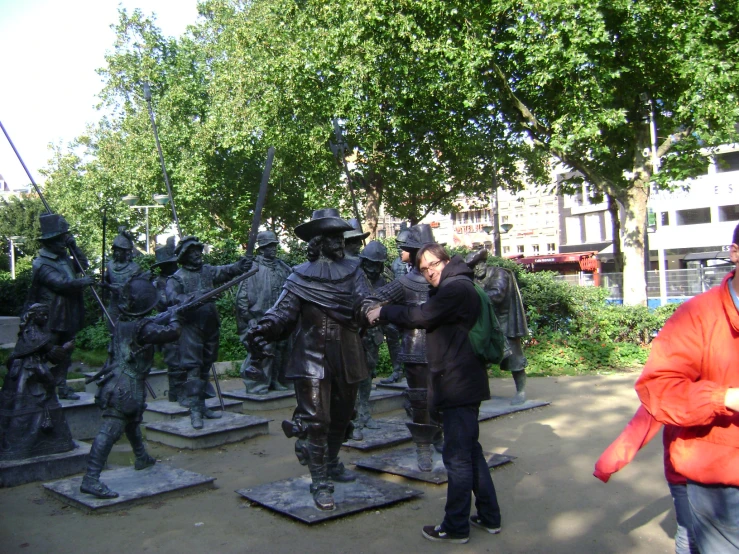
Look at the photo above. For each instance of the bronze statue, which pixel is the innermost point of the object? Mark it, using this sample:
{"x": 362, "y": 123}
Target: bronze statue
{"x": 119, "y": 270}
{"x": 327, "y": 361}
{"x": 32, "y": 422}
{"x": 502, "y": 288}
{"x": 254, "y": 297}
{"x": 399, "y": 267}
{"x": 122, "y": 392}
{"x": 354, "y": 239}
{"x": 166, "y": 262}
{"x": 55, "y": 283}
{"x": 373, "y": 259}
{"x": 413, "y": 289}
{"x": 198, "y": 345}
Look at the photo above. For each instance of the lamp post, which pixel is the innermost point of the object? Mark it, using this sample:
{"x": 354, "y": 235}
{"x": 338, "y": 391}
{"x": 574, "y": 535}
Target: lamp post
{"x": 13, "y": 241}
{"x": 161, "y": 201}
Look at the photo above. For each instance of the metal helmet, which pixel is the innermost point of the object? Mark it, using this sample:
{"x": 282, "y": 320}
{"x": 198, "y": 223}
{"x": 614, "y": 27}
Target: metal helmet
{"x": 265, "y": 238}
{"x": 138, "y": 296}
{"x": 375, "y": 251}
{"x": 124, "y": 239}
{"x": 402, "y": 236}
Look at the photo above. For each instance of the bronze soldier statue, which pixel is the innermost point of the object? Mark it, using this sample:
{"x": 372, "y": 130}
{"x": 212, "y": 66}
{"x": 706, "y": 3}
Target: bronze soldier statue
{"x": 119, "y": 270}
{"x": 166, "y": 262}
{"x": 373, "y": 259}
{"x": 32, "y": 422}
{"x": 55, "y": 283}
{"x": 327, "y": 360}
{"x": 254, "y": 297}
{"x": 399, "y": 267}
{"x": 354, "y": 239}
{"x": 198, "y": 345}
{"x": 122, "y": 392}
{"x": 502, "y": 288}
{"x": 413, "y": 289}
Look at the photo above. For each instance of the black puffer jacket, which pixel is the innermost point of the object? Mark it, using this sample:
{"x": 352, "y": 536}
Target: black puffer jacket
{"x": 458, "y": 376}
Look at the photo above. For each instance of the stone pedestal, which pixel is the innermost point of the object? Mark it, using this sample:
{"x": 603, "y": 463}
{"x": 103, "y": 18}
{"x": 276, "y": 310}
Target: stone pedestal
{"x": 385, "y": 401}
{"x": 404, "y": 463}
{"x": 44, "y": 468}
{"x": 164, "y": 410}
{"x": 273, "y": 400}
{"x": 157, "y": 380}
{"x": 499, "y": 405}
{"x": 83, "y": 416}
{"x": 134, "y": 487}
{"x": 216, "y": 432}
{"x": 292, "y": 498}
{"x": 400, "y": 385}
{"x": 391, "y": 431}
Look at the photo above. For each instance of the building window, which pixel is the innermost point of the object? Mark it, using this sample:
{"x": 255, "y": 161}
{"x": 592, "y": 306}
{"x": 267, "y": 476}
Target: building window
{"x": 505, "y": 219}
{"x": 665, "y": 217}
{"x": 519, "y": 248}
{"x": 535, "y": 248}
{"x": 728, "y": 161}
{"x": 506, "y": 250}
{"x": 693, "y": 217}
{"x": 728, "y": 213}
{"x": 551, "y": 248}
{"x": 573, "y": 230}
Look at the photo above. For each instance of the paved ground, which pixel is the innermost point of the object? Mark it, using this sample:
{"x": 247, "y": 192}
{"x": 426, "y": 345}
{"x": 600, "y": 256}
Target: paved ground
{"x": 550, "y": 501}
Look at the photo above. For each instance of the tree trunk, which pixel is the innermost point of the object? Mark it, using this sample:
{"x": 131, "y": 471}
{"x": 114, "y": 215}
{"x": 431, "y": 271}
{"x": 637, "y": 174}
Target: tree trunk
{"x": 373, "y": 198}
{"x": 634, "y": 201}
{"x": 613, "y": 209}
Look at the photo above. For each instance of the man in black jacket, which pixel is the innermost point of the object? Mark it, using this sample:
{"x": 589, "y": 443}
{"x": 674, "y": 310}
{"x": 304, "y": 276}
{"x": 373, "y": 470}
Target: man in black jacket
{"x": 458, "y": 384}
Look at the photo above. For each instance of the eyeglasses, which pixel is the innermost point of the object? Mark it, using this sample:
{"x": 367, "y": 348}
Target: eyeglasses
{"x": 432, "y": 265}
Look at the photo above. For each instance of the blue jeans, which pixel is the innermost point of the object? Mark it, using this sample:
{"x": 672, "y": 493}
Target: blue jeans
{"x": 715, "y": 510}
{"x": 468, "y": 472}
{"x": 685, "y": 537}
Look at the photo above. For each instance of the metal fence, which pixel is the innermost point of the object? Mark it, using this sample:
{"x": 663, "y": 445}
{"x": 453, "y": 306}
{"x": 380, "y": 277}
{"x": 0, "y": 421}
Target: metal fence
{"x": 680, "y": 284}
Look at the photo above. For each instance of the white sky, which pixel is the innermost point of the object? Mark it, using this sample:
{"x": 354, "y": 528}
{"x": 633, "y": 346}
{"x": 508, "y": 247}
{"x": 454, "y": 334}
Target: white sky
{"x": 49, "y": 51}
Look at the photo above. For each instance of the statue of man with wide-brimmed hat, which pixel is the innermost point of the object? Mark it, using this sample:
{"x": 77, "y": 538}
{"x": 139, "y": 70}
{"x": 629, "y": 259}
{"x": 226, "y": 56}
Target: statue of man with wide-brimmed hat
{"x": 327, "y": 361}
{"x": 254, "y": 297}
{"x": 119, "y": 270}
{"x": 56, "y": 284}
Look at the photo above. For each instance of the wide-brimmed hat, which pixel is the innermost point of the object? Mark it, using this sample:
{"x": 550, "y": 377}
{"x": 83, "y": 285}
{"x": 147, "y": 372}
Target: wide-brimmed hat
{"x": 52, "y": 225}
{"x": 474, "y": 258}
{"x": 375, "y": 251}
{"x": 356, "y": 232}
{"x": 322, "y": 222}
{"x": 165, "y": 254}
{"x": 265, "y": 238}
{"x": 419, "y": 235}
{"x": 186, "y": 243}
{"x": 402, "y": 236}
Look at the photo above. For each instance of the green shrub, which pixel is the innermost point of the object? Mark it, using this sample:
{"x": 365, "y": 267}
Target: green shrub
{"x": 93, "y": 337}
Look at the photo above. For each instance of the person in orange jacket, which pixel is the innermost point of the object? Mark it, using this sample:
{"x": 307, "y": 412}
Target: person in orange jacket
{"x": 691, "y": 380}
{"x": 638, "y": 432}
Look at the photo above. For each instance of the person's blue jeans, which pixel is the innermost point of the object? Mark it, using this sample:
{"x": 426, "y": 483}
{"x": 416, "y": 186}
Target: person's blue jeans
{"x": 715, "y": 510}
{"x": 468, "y": 472}
{"x": 685, "y": 537}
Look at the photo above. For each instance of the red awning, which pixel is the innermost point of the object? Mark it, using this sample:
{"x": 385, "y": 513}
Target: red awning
{"x": 551, "y": 259}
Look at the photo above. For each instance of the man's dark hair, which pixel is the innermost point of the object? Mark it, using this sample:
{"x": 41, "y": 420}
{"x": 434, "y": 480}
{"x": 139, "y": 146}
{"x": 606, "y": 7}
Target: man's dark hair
{"x": 433, "y": 248}
{"x": 735, "y": 240}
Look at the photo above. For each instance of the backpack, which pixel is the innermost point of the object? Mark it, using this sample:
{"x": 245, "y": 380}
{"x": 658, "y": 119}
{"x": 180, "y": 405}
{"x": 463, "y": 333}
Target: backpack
{"x": 487, "y": 340}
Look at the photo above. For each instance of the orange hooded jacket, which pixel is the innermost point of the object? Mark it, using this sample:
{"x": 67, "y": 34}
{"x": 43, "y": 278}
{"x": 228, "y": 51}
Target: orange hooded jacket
{"x": 694, "y": 359}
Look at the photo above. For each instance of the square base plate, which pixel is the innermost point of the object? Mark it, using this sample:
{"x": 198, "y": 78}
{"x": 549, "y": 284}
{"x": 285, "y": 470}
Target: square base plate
{"x": 292, "y": 497}
{"x": 179, "y": 433}
{"x": 134, "y": 487}
{"x": 404, "y": 463}
{"x": 392, "y": 431}
{"x": 499, "y": 405}
{"x": 273, "y": 400}
{"x": 43, "y": 468}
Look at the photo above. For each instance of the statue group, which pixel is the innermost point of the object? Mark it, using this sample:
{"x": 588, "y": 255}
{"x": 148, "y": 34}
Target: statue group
{"x": 303, "y": 326}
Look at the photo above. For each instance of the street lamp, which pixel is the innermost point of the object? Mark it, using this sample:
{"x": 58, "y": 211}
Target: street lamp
{"x": 13, "y": 241}
{"x": 161, "y": 201}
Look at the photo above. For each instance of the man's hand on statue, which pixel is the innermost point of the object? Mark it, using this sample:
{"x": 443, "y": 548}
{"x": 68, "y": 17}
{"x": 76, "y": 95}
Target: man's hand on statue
{"x": 70, "y": 242}
{"x": 731, "y": 400}
{"x": 373, "y": 315}
{"x": 83, "y": 282}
